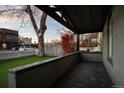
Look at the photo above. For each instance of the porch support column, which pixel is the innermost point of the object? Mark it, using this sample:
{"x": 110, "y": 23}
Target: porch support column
{"x": 78, "y": 41}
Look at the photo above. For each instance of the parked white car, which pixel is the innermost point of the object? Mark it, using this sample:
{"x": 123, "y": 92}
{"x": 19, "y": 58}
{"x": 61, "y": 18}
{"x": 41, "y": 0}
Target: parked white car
{"x": 26, "y": 48}
{"x": 23, "y": 48}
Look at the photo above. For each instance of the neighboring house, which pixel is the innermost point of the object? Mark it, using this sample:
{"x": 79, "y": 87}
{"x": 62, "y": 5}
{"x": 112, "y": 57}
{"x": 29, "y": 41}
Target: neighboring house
{"x": 25, "y": 41}
{"x": 8, "y": 38}
{"x": 100, "y": 41}
{"x": 94, "y": 37}
{"x": 91, "y": 41}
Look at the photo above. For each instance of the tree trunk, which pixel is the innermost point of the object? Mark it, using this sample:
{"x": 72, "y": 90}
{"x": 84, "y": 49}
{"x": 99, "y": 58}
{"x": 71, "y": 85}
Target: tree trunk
{"x": 41, "y": 51}
{"x": 40, "y": 31}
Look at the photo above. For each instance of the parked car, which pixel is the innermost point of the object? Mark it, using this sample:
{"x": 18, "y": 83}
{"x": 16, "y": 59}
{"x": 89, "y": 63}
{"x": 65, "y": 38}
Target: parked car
{"x": 16, "y": 47}
{"x": 23, "y": 48}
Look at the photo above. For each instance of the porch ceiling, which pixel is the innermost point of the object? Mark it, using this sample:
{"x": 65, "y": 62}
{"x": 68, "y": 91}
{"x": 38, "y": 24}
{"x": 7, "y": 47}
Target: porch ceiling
{"x": 79, "y": 18}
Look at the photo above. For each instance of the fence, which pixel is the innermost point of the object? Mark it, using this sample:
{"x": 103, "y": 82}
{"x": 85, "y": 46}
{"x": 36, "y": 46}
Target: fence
{"x": 53, "y": 50}
{"x": 15, "y": 54}
{"x": 50, "y": 50}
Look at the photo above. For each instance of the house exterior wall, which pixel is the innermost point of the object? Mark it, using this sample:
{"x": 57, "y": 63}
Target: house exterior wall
{"x": 8, "y": 38}
{"x": 91, "y": 56}
{"x": 100, "y": 41}
{"x": 116, "y": 71}
{"x": 27, "y": 41}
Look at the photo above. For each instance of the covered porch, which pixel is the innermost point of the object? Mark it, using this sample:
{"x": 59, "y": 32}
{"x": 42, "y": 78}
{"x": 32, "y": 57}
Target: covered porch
{"x": 78, "y": 69}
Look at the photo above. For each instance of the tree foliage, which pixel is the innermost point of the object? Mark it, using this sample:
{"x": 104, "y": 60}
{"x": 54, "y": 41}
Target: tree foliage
{"x": 67, "y": 43}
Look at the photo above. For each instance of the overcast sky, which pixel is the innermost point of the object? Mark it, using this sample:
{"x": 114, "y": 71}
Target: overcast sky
{"x": 27, "y": 30}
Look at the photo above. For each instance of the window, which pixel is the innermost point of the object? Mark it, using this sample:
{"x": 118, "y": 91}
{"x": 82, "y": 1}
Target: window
{"x": 110, "y": 41}
{"x": 11, "y": 37}
{"x": 0, "y": 37}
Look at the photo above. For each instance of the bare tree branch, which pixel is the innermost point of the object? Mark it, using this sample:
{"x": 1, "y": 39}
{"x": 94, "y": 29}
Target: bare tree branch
{"x": 23, "y": 22}
{"x": 21, "y": 12}
{"x": 29, "y": 11}
{"x": 43, "y": 21}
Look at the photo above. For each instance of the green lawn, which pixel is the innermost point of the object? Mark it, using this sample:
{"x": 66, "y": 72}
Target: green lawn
{"x": 12, "y": 63}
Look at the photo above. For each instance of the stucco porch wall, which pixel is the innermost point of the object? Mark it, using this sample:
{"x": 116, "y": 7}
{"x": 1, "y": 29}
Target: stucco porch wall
{"x": 91, "y": 56}
{"x": 116, "y": 71}
{"x": 42, "y": 74}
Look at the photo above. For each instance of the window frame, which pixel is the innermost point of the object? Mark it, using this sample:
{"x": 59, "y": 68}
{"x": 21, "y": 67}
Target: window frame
{"x": 1, "y": 36}
{"x": 110, "y": 40}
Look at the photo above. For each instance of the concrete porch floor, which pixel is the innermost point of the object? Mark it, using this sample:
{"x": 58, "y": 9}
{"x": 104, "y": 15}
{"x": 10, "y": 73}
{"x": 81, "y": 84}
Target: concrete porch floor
{"x": 85, "y": 75}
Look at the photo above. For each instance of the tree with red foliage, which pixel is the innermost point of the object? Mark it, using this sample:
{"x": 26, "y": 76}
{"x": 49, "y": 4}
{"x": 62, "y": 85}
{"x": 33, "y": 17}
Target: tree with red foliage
{"x": 67, "y": 43}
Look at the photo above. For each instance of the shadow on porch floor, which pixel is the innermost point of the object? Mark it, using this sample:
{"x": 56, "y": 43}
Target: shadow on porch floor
{"x": 85, "y": 75}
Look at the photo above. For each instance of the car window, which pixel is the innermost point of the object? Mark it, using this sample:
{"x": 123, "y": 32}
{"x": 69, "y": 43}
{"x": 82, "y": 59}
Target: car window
{"x": 28, "y": 46}
{"x": 21, "y": 46}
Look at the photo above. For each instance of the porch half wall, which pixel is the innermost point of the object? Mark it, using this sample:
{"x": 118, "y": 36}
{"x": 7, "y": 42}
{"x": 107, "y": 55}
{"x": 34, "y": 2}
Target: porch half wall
{"x": 42, "y": 74}
{"x": 116, "y": 71}
{"x": 45, "y": 73}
